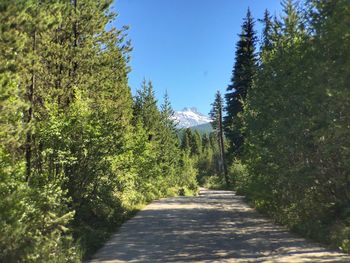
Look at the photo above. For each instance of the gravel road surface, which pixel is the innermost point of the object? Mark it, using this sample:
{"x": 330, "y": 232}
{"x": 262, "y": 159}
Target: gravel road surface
{"x": 216, "y": 226}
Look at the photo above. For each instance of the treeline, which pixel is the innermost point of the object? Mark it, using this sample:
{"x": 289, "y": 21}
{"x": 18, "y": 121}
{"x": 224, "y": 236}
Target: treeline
{"x": 78, "y": 153}
{"x": 287, "y": 118}
{"x": 204, "y": 154}
{"x": 207, "y": 149}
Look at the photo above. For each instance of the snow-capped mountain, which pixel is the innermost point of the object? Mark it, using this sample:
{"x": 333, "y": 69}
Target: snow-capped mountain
{"x": 189, "y": 117}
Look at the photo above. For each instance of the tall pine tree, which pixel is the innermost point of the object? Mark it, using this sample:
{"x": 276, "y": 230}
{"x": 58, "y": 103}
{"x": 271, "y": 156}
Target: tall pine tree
{"x": 267, "y": 31}
{"x": 145, "y": 107}
{"x": 216, "y": 116}
{"x": 242, "y": 77}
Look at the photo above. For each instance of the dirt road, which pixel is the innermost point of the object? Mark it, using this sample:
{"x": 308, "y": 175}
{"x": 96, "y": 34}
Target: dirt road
{"x": 216, "y": 226}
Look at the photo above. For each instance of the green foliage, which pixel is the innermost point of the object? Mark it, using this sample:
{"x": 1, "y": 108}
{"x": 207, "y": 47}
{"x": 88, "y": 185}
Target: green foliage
{"x": 241, "y": 81}
{"x": 163, "y": 170}
{"x": 206, "y": 161}
{"x": 34, "y": 226}
{"x": 239, "y": 176}
{"x": 188, "y": 173}
{"x": 214, "y": 182}
{"x": 201, "y": 155}
{"x": 186, "y": 140}
{"x": 78, "y": 156}
{"x": 203, "y": 129}
{"x": 196, "y": 143}
{"x": 295, "y": 121}
{"x": 216, "y": 115}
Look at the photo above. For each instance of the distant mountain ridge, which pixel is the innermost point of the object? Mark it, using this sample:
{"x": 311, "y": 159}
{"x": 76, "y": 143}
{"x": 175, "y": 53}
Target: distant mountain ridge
{"x": 205, "y": 128}
{"x": 189, "y": 117}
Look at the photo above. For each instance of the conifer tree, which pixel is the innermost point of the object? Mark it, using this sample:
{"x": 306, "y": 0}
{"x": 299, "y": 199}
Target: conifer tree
{"x": 241, "y": 81}
{"x": 205, "y": 142}
{"x": 73, "y": 159}
{"x": 206, "y": 163}
{"x": 35, "y": 220}
{"x": 283, "y": 125}
{"x": 145, "y": 107}
{"x": 169, "y": 151}
{"x": 186, "y": 140}
{"x": 216, "y": 116}
{"x": 267, "y": 31}
{"x": 196, "y": 143}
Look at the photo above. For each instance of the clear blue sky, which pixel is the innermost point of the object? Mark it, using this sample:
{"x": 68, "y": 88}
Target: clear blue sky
{"x": 186, "y": 46}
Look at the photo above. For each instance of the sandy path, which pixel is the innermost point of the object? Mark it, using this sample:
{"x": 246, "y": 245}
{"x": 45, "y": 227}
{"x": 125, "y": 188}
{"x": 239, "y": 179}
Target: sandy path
{"x": 216, "y": 226}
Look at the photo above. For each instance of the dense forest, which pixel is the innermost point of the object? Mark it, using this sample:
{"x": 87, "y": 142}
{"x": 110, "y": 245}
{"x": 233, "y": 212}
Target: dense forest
{"x": 79, "y": 154}
{"x": 286, "y": 120}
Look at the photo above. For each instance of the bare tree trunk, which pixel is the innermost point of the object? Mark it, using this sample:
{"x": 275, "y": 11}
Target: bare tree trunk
{"x": 222, "y": 149}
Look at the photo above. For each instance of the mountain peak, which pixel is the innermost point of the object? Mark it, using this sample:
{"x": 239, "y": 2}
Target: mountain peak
{"x": 189, "y": 117}
{"x": 193, "y": 109}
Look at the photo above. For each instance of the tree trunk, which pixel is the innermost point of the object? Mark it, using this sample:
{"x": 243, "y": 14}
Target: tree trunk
{"x": 222, "y": 149}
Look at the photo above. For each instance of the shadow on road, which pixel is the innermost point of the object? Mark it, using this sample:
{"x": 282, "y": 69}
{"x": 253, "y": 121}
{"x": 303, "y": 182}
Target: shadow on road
{"x": 215, "y": 226}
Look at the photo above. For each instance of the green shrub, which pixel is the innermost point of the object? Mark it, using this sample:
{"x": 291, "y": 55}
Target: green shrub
{"x": 340, "y": 236}
{"x": 214, "y": 182}
{"x": 239, "y": 176}
{"x": 34, "y": 225}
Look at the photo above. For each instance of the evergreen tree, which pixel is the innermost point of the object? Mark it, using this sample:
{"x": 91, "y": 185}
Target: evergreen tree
{"x": 241, "y": 81}
{"x": 216, "y": 116}
{"x": 169, "y": 152}
{"x": 74, "y": 161}
{"x": 205, "y": 142}
{"x": 291, "y": 119}
{"x": 167, "y": 113}
{"x": 272, "y": 100}
{"x": 186, "y": 140}
{"x": 34, "y": 211}
{"x": 145, "y": 107}
{"x": 206, "y": 164}
{"x": 196, "y": 143}
{"x": 148, "y": 115}
{"x": 267, "y": 32}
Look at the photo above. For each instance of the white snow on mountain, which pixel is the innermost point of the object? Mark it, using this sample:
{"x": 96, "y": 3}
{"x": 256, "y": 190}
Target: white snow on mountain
{"x": 189, "y": 117}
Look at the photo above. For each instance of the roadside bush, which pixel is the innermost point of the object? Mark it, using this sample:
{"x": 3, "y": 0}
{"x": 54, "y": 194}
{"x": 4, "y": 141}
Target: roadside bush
{"x": 214, "y": 182}
{"x": 238, "y": 176}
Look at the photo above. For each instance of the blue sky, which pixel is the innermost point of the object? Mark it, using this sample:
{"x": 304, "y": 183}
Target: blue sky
{"x": 186, "y": 46}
